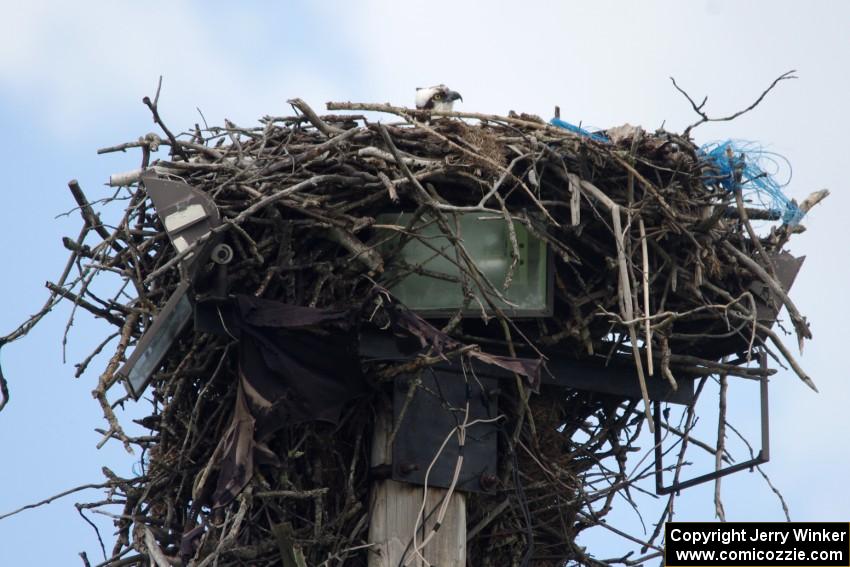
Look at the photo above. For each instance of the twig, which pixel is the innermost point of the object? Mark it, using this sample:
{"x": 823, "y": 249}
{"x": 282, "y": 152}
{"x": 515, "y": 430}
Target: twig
{"x": 55, "y": 497}
{"x": 797, "y": 319}
{"x": 698, "y": 108}
{"x": 314, "y": 119}
{"x": 721, "y": 447}
{"x": 152, "y": 105}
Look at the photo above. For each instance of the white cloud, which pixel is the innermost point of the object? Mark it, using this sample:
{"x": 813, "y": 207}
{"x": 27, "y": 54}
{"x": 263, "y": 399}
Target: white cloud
{"x": 74, "y": 61}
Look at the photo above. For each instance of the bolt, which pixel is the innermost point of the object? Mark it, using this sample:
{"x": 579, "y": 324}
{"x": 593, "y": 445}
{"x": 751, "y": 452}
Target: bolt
{"x": 407, "y": 468}
{"x": 222, "y": 254}
{"x": 488, "y": 481}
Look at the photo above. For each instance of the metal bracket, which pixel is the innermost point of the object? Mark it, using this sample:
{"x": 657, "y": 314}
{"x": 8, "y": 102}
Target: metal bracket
{"x": 425, "y": 423}
{"x": 762, "y": 457}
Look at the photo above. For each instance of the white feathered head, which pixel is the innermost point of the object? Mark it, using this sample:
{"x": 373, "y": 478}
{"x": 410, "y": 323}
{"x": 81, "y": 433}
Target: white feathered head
{"x": 439, "y": 97}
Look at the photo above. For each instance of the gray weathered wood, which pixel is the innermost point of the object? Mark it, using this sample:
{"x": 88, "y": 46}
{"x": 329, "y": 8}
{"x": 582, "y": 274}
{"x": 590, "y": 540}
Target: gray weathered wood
{"x": 395, "y": 507}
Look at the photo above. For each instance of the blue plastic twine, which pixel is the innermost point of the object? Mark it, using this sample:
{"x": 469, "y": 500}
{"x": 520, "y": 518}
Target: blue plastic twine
{"x": 739, "y": 164}
{"x": 580, "y": 131}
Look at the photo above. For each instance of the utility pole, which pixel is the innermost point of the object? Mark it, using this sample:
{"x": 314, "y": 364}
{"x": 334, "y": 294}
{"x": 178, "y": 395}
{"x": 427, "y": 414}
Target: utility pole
{"x": 396, "y": 506}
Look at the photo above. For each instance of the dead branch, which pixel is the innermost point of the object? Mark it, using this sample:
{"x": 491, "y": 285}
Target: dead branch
{"x": 698, "y": 108}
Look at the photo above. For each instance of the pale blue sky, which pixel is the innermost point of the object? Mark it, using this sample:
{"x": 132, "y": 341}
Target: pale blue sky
{"x": 72, "y": 76}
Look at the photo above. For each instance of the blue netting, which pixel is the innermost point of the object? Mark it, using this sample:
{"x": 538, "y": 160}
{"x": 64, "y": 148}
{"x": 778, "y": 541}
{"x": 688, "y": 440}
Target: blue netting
{"x": 579, "y": 130}
{"x": 735, "y": 164}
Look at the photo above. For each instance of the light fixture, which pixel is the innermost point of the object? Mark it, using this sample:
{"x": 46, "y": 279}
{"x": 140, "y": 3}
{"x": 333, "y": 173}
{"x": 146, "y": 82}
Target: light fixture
{"x": 425, "y": 272}
{"x": 189, "y": 216}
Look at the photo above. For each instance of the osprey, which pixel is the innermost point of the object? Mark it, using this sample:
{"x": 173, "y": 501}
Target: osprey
{"x": 439, "y": 97}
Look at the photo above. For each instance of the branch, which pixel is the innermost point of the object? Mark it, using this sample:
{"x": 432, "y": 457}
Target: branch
{"x": 175, "y": 145}
{"x": 698, "y": 108}
{"x": 799, "y": 321}
{"x": 56, "y": 497}
{"x": 314, "y": 119}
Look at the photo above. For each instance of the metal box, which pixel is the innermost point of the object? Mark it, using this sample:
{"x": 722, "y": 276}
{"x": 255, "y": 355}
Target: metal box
{"x": 425, "y": 276}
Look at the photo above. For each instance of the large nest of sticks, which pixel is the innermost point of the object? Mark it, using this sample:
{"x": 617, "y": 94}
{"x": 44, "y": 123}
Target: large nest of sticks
{"x": 656, "y": 265}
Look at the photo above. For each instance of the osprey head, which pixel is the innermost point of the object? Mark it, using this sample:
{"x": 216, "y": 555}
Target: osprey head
{"x": 439, "y": 97}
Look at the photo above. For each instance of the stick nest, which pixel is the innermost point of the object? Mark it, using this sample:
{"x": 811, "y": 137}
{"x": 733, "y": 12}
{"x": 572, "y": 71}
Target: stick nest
{"x": 654, "y": 264}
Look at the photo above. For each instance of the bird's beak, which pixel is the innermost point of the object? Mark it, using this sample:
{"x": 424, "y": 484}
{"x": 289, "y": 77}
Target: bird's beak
{"x": 453, "y": 95}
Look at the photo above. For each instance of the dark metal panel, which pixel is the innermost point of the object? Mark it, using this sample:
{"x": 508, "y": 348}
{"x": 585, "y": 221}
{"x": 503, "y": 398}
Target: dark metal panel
{"x": 433, "y": 414}
{"x": 187, "y": 213}
{"x": 592, "y": 375}
{"x": 615, "y": 379}
{"x": 767, "y": 304}
{"x": 767, "y": 309}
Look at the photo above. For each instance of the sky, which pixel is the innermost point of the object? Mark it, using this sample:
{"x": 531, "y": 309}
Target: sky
{"x": 72, "y": 76}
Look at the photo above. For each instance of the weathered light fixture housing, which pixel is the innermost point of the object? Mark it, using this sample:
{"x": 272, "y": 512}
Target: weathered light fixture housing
{"x": 154, "y": 344}
{"x": 189, "y": 216}
{"x": 426, "y": 276}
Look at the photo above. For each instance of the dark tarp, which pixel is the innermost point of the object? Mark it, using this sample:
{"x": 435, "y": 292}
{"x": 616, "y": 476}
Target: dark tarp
{"x": 296, "y": 364}
{"x": 300, "y": 364}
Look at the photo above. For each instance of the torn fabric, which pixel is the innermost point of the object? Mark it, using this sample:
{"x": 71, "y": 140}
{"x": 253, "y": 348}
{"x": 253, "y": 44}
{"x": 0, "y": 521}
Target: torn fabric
{"x": 403, "y": 319}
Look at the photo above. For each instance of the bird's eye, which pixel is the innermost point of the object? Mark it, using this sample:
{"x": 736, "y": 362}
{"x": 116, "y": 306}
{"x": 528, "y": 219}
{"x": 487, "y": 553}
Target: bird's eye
{"x": 438, "y": 96}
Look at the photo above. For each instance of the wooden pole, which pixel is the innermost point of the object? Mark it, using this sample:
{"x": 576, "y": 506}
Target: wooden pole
{"x": 395, "y": 507}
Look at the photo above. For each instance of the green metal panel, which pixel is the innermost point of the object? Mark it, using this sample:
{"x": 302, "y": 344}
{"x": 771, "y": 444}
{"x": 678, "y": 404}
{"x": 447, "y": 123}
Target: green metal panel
{"x": 425, "y": 275}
